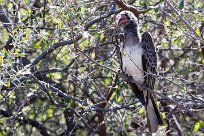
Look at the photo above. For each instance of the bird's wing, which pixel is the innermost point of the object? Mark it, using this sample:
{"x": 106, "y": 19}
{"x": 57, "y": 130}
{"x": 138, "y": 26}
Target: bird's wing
{"x": 149, "y": 60}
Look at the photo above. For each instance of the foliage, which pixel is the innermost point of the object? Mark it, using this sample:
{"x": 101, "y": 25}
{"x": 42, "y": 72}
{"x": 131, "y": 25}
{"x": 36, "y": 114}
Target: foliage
{"x": 60, "y": 72}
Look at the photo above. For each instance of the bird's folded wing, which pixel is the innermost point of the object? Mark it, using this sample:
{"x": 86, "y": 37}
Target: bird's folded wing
{"x": 149, "y": 60}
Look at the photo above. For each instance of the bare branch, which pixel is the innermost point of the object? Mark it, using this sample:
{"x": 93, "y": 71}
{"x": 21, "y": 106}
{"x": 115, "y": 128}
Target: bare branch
{"x": 133, "y": 9}
{"x": 52, "y": 48}
{"x": 180, "y": 106}
{"x": 185, "y": 22}
{"x": 39, "y": 126}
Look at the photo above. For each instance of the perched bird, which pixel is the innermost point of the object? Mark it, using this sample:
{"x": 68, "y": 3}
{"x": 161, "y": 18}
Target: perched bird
{"x": 139, "y": 62}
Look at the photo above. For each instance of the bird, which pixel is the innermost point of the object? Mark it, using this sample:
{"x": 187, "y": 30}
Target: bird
{"x": 139, "y": 63}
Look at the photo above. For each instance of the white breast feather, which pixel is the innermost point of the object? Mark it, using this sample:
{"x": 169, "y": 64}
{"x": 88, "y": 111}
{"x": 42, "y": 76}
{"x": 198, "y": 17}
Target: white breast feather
{"x": 132, "y": 63}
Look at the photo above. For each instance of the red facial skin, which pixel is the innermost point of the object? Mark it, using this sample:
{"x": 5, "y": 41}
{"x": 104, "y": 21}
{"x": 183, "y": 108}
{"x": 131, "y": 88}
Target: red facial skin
{"x": 123, "y": 19}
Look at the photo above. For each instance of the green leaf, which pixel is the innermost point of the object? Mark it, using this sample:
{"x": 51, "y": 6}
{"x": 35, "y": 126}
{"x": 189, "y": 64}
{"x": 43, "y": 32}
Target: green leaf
{"x": 107, "y": 81}
{"x": 167, "y": 22}
{"x": 4, "y": 51}
{"x": 117, "y": 92}
{"x": 31, "y": 116}
{"x": 126, "y": 125}
{"x": 102, "y": 36}
{"x": 27, "y": 33}
{"x": 163, "y": 115}
{"x": 156, "y": 10}
{"x": 124, "y": 53}
{"x": 181, "y": 4}
{"x": 9, "y": 84}
{"x": 196, "y": 127}
{"x": 50, "y": 111}
{"x": 119, "y": 99}
{"x": 164, "y": 45}
{"x": 201, "y": 124}
{"x": 126, "y": 86}
{"x": 17, "y": 51}
{"x": 44, "y": 117}
{"x": 203, "y": 61}
{"x": 141, "y": 3}
{"x": 198, "y": 31}
{"x": 22, "y": 55}
{"x": 83, "y": 10}
{"x": 141, "y": 111}
{"x": 37, "y": 45}
{"x": 178, "y": 40}
{"x": 101, "y": 62}
{"x": 1, "y": 60}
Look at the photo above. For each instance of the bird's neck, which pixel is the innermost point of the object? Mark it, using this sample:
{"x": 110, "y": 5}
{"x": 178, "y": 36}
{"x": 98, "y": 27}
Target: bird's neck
{"x": 131, "y": 36}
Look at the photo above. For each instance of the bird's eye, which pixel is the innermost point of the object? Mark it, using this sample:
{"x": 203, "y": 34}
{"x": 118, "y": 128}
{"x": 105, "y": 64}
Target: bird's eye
{"x": 127, "y": 16}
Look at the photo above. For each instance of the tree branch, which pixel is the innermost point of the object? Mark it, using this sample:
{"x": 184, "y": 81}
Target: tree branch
{"x": 43, "y": 55}
{"x": 4, "y": 19}
{"x": 42, "y": 129}
{"x": 133, "y": 9}
{"x": 180, "y": 106}
{"x": 185, "y": 22}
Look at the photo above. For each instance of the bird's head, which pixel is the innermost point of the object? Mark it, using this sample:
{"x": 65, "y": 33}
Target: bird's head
{"x": 125, "y": 19}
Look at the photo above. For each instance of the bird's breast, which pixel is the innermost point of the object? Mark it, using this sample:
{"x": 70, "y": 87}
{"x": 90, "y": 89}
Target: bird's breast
{"x": 132, "y": 63}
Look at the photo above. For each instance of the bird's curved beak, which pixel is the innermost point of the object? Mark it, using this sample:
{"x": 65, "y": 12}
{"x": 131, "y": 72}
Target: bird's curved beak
{"x": 123, "y": 19}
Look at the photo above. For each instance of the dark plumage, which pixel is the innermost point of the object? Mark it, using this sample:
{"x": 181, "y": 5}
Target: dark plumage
{"x": 139, "y": 61}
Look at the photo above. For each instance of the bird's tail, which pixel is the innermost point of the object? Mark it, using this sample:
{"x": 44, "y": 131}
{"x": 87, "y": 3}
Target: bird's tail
{"x": 153, "y": 116}
{"x": 147, "y": 99}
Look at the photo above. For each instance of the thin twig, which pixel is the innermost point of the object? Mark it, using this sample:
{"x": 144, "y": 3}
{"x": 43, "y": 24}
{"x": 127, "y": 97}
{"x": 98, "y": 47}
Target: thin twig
{"x": 133, "y": 9}
{"x": 184, "y": 21}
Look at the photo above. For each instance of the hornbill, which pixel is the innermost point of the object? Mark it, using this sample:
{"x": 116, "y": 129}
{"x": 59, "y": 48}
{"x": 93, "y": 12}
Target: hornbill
{"x": 139, "y": 63}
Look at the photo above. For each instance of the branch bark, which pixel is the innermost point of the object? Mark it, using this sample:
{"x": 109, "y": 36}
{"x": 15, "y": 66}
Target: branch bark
{"x": 133, "y": 9}
{"x": 180, "y": 106}
{"x": 43, "y": 55}
{"x": 185, "y": 22}
{"x": 4, "y": 19}
{"x": 42, "y": 129}
{"x": 100, "y": 115}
